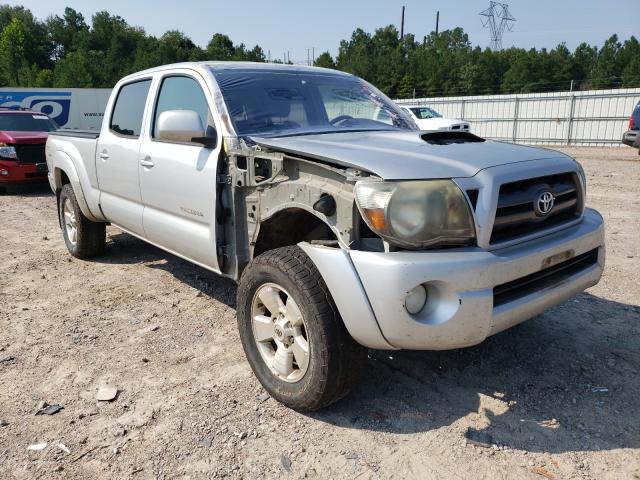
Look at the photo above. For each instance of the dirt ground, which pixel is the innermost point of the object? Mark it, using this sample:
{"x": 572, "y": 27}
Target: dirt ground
{"x": 559, "y": 395}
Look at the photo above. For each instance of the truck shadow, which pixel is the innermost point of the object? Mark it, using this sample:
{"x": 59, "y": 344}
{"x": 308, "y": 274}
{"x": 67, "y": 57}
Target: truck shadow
{"x": 564, "y": 381}
{"x": 35, "y": 189}
{"x": 123, "y": 248}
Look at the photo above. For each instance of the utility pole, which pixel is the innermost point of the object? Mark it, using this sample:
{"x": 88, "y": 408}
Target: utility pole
{"x": 402, "y": 24}
{"x": 308, "y": 64}
{"x": 269, "y": 55}
{"x": 313, "y": 55}
{"x": 437, "y": 22}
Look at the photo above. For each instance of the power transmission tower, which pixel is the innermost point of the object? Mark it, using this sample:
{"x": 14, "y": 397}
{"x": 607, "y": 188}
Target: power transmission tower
{"x": 497, "y": 18}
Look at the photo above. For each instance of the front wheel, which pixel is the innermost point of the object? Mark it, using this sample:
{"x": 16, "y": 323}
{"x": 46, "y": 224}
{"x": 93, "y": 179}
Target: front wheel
{"x": 83, "y": 237}
{"x": 292, "y": 333}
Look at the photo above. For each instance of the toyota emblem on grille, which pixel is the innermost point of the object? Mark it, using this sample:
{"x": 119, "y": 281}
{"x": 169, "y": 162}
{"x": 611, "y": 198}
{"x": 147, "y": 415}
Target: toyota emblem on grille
{"x": 544, "y": 203}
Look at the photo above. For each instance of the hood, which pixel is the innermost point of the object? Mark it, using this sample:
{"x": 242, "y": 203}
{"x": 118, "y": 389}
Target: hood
{"x": 7, "y": 136}
{"x": 404, "y": 155}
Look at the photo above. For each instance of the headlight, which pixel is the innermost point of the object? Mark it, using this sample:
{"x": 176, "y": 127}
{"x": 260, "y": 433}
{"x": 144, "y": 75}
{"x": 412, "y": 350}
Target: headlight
{"x": 416, "y": 214}
{"x": 7, "y": 152}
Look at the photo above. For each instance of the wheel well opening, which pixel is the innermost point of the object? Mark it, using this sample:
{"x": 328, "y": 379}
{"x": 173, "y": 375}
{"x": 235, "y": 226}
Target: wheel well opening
{"x": 64, "y": 179}
{"x": 290, "y": 227}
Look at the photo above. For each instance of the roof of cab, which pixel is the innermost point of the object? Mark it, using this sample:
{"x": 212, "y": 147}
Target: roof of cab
{"x": 244, "y": 66}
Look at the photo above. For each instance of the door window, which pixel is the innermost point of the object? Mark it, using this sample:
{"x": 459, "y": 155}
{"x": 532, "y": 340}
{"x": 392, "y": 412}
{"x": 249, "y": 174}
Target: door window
{"x": 129, "y": 109}
{"x": 182, "y": 93}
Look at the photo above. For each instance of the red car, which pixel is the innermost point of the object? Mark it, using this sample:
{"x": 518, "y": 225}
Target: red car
{"x": 23, "y": 135}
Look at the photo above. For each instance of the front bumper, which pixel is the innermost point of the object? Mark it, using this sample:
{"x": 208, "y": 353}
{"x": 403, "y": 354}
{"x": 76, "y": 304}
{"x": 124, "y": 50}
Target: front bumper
{"x": 631, "y": 138}
{"x": 460, "y": 309}
{"x": 13, "y": 172}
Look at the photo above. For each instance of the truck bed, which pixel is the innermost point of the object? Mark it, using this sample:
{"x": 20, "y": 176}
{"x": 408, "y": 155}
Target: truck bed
{"x": 67, "y": 132}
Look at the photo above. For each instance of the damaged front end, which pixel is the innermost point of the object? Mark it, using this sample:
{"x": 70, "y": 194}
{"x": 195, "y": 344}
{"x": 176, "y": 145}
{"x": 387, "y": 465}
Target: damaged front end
{"x": 269, "y": 199}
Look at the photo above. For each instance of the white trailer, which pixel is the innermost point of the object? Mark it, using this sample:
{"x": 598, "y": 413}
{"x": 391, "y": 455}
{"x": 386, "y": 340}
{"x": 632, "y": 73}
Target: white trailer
{"x": 75, "y": 108}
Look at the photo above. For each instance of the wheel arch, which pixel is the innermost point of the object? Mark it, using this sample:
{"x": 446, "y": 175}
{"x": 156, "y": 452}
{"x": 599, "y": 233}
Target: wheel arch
{"x": 64, "y": 171}
{"x": 291, "y": 224}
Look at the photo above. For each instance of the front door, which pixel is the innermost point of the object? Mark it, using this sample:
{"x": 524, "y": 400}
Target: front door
{"x": 178, "y": 180}
{"x": 118, "y": 158}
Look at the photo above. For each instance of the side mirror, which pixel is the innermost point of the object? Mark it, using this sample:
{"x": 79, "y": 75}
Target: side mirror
{"x": 183, "y": 126}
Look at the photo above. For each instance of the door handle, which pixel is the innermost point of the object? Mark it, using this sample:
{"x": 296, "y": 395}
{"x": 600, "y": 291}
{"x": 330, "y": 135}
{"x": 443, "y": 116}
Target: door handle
{"x": 104, "y": 155}
{"x": 147, "y": 163}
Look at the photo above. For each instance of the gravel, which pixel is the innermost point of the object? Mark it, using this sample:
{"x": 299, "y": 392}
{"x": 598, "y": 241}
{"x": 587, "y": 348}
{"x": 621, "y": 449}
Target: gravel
{"x": 557, "y": 396}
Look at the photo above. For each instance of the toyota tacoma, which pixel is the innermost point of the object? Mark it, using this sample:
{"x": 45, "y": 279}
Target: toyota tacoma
{"x": 344, "y": 225}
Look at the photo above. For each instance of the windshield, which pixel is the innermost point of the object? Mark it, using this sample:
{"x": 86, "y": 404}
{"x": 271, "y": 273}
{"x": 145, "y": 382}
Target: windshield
{"x": 26, "y": 122}
{"x": 423, "y": 113}
{"x": 280, "y": 103}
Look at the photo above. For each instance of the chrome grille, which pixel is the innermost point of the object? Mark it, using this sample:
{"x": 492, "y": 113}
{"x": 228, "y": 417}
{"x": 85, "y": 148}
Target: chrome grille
{"x": 516, "y": 215}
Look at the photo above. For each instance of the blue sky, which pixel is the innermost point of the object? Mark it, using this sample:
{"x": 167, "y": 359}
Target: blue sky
{"x": 287, "y": 25}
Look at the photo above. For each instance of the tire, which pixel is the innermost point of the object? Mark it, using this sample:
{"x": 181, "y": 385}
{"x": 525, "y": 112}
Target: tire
{"x": 89, "y": 236}
{"x": 335, "y": 360}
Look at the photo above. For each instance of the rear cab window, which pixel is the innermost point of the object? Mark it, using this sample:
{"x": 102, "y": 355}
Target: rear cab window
{"x": 128, "y": 110}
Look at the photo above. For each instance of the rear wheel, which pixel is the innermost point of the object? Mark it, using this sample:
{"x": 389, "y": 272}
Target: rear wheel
{"x": 292, "y": 334}
{"x": 83, "y": 237}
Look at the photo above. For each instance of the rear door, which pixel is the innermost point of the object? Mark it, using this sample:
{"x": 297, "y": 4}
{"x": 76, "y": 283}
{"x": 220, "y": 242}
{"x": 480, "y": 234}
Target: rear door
{"x": 118, "y": 157}
{"x": 178, "y": 180}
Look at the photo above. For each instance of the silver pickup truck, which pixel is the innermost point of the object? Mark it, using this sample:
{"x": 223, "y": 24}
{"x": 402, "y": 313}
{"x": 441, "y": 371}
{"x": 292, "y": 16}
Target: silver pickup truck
{"x": 345, "y": 226}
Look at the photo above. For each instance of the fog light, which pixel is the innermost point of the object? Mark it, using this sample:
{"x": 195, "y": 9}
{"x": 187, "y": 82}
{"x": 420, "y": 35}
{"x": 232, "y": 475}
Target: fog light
{"x": 416, "y": 300}
{"x": 4, "y": 172}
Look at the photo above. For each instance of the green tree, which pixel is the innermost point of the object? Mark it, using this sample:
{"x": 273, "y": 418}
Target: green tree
{"x": 584, "y": 61}
{"x": 78, "y": 69}
{"x": 220, "y": 47}
{"x": 325, "y": 60}
{"x": 608, "y": 70}
{"x": 67, "y": 33}
{"x": 66, "y": 51}
{"x": 174, "y": 46}
{"x": 355, "y": 55}
{"x": 406, "y": 87}
{"x": 13, "y": 51}
{"x": 630, "y": 60}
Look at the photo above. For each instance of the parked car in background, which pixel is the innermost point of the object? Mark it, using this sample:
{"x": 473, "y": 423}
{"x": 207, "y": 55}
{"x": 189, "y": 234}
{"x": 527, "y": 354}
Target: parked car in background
{"x": 23, "y": 135}
{"x": 632, "y": 136}
{"x": 428, "y": 119}
{"x": 345, "y": 228}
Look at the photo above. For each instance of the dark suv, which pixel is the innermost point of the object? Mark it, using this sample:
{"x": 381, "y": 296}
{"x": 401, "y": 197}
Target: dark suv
{"x": 632, "y": 136}
{"x": 23, "y": 134}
